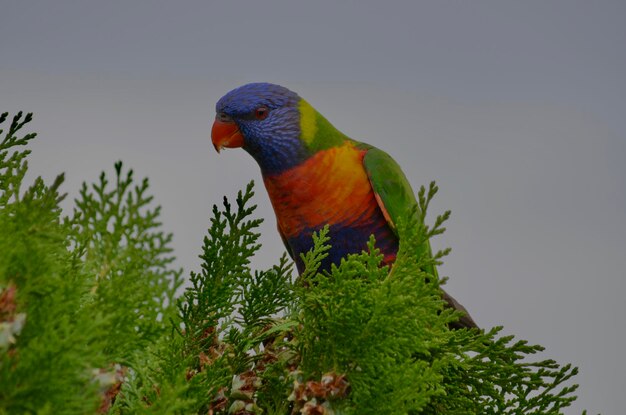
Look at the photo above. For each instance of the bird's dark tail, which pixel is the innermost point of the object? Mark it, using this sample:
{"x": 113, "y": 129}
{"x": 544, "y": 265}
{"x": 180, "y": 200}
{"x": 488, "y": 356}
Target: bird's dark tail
{"x": 466, "y": 321}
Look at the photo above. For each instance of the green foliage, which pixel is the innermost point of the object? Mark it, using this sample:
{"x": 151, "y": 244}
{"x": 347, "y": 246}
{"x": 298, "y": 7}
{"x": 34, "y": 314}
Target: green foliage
{"x": 89, "y": 320}
{"x": 77, "y": 295}
{"x": 48, "y": 346}
{"x": 126, "y": 258}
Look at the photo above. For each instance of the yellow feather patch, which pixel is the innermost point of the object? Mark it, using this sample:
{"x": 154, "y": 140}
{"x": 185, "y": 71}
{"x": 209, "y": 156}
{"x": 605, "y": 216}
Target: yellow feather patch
{"x": 308, "y": 121}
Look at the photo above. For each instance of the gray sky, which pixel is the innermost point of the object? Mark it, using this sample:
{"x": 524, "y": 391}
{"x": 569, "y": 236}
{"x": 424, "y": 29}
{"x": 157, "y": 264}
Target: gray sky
{"x": 518, "y": 110}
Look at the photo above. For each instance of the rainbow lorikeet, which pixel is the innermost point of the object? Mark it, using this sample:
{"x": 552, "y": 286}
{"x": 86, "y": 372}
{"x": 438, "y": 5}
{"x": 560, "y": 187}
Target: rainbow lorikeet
{"x": 315, "y": 175}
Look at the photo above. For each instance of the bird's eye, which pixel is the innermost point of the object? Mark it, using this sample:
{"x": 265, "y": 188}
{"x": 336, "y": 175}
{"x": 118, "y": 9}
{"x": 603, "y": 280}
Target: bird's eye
{"x": 261, "y": 113}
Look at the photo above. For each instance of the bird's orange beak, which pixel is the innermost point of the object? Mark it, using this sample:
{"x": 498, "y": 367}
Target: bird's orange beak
{"x": 225, "y": 133}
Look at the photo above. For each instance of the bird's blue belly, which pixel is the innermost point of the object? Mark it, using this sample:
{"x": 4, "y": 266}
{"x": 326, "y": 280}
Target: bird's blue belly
{"x": 346, "y": 240}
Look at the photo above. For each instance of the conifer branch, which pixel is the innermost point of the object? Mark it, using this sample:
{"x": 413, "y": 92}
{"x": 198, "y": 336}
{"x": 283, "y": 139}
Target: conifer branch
{"x": 90, "y": 321}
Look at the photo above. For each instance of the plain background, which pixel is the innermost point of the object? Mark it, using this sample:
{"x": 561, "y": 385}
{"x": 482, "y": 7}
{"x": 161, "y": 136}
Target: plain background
{"x": 516, "y": 109}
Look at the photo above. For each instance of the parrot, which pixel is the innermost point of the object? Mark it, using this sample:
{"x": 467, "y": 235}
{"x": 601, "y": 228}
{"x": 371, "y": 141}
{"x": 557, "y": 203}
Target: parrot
{"x": 317, "y": 176}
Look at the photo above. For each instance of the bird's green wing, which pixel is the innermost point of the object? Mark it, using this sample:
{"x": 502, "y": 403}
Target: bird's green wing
{"x": 396, "y": 199}
{"x": 393, "y": 192}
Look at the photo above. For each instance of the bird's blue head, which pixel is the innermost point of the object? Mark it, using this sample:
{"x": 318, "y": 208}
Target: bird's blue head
{"x": 263, "y": 119}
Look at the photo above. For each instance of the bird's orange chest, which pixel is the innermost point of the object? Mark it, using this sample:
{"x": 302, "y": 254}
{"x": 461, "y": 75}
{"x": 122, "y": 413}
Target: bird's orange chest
{"x": 331, "y": 187}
